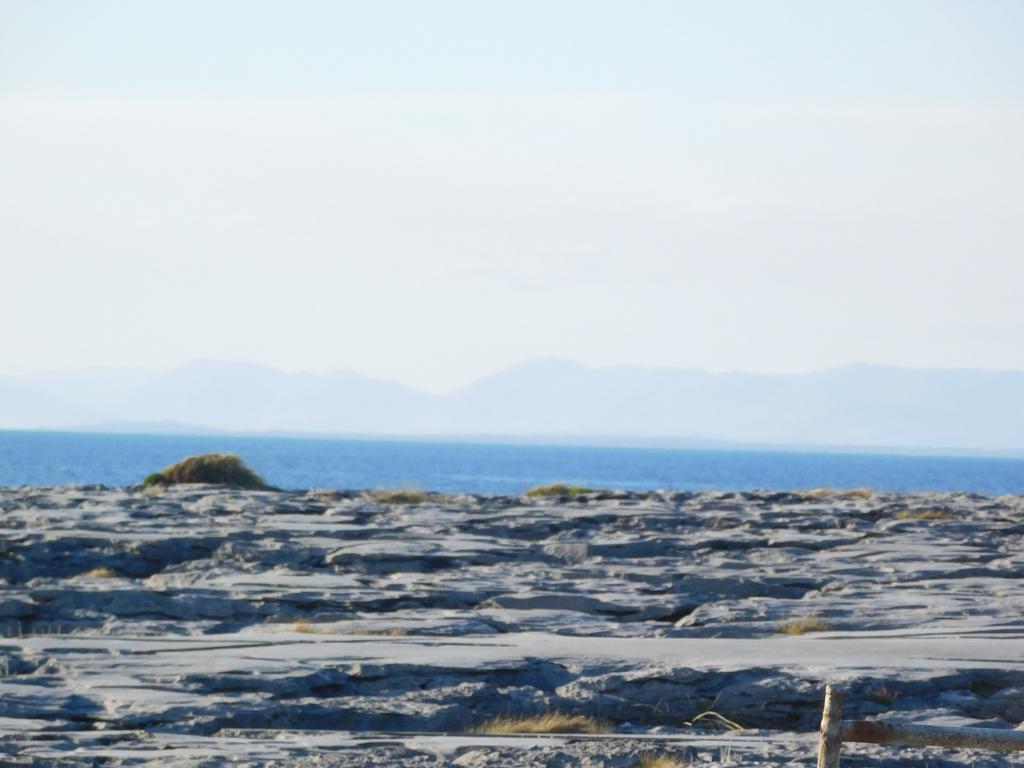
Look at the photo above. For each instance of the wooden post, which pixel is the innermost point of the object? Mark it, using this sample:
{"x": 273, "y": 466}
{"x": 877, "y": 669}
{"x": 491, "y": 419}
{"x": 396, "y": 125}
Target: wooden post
{"x": 830, "y": 740}
{"x": 876, "y": 732}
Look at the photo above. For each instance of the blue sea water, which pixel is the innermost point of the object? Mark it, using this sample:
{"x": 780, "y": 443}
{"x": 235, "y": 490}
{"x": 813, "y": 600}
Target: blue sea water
{"x": 51, "y": 458}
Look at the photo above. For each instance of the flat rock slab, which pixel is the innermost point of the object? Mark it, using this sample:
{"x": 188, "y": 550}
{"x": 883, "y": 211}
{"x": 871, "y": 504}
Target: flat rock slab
{"x": 837, "y": 655}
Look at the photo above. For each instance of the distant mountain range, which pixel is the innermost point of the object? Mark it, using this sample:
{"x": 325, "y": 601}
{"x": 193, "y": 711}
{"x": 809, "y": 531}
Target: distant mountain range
{"x": 853, "y": 406}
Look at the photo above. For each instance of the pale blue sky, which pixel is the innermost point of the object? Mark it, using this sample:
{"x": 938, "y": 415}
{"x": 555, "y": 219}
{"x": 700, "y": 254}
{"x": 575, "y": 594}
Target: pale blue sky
{"x": 429, "y": 191}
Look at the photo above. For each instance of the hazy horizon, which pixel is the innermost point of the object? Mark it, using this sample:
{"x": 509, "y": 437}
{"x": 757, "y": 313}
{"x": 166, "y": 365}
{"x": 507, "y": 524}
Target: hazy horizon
{"x": 852, "y": 406}
{"x": 241, "y": 363}
{"x": 431, "y": 192}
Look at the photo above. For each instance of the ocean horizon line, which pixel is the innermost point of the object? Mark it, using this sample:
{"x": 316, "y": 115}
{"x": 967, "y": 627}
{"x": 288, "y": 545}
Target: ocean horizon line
{"x": 568, "y": 440}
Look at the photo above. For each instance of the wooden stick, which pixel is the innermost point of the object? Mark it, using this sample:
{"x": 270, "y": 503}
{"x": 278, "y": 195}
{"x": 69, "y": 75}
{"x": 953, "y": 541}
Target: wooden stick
{"x": 831, "y": 739}
{"x": 873, "y": 732}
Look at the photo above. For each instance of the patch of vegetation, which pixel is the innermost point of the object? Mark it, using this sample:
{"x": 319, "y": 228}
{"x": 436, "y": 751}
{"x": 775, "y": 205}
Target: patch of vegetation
{"x": 848, "y": 493}
{"x": 856, "y": 493}
{"x": 804, "y": 625}
{"x": 883, "y": 696}
{"x": 981, "y": 688}
{"x": 400, "y": 496}
{"x": 558, "y": 489}
{"x": 215, "y": 468}
{"x": 392, "y": 632}
{"x": 818, "y": 493}
{"x": 933, "y": 513}
{"x": 716, "y": 718}
{"x": 652, "y": 760}
{"x": 307, "y": 627}
{"x": 549, "y": 722}
{"x": 99, "y": 573}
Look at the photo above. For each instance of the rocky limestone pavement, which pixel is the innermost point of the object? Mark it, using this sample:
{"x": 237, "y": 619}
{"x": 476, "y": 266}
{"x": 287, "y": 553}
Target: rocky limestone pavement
{"x": 207, "y": 626}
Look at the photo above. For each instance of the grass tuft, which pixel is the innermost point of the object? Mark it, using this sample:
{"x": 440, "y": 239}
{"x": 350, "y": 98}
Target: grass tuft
{"x": 933, "y": 513}
{"x": 307, "y": 627}
{"x": 717, "y": 718}
{"x": 883, "y": 696}
{"x": 558, "y": 489}
{"x": 218, "y": 468}
{"x": 804, "y": 625}
{"x": 818, "y": 493}
{"x": 652, "y": 760}
{"x": 400, "y": 496}
{"x": 100, "y": 573}
{"x": 392, "y": 632}
{"x": 856, "y": 493}
{"x": 549, "y": 722}
{"x": 849, "y": 493}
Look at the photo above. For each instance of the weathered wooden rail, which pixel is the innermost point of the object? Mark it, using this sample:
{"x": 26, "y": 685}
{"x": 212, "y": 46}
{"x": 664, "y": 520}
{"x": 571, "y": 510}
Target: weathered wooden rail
{"x": 835, "y": 731}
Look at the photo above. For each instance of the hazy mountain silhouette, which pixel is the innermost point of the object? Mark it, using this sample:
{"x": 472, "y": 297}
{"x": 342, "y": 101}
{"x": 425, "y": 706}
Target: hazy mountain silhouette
{"x": 238, "y": 396}
{"x": 857, "y": 405}
{"x": 22, "y": 407}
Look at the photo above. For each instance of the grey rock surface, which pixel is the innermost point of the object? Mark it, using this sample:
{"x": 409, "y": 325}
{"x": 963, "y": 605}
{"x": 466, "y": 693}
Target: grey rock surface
{"x": 206, "y": 626}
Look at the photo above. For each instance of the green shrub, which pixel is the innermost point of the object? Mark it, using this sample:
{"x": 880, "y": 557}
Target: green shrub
{"x": 218, "y": 468}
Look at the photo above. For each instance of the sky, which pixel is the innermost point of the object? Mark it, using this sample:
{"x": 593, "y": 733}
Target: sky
{"x": 429, "y": 192}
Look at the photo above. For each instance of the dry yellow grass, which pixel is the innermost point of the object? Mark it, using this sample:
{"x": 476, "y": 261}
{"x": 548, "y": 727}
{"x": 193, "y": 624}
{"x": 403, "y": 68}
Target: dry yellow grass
{"x": 558, "y": 489}
{"x": 392, "y": 632}
{"x": 856, "y": 493}
{"x": 400, "y": 496}
{"x": 933, "y": 513}
{"x": 549, "y": 722}
{"x": 849, "y": 493}
{"x": 660, "y": 761}
{"x": 818, "y": 493}
{"x": 100, "y": 573}
{"x": 804, "y": 625}
{"x": 307, "y": 627}
{"x": 716, "y": 718}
